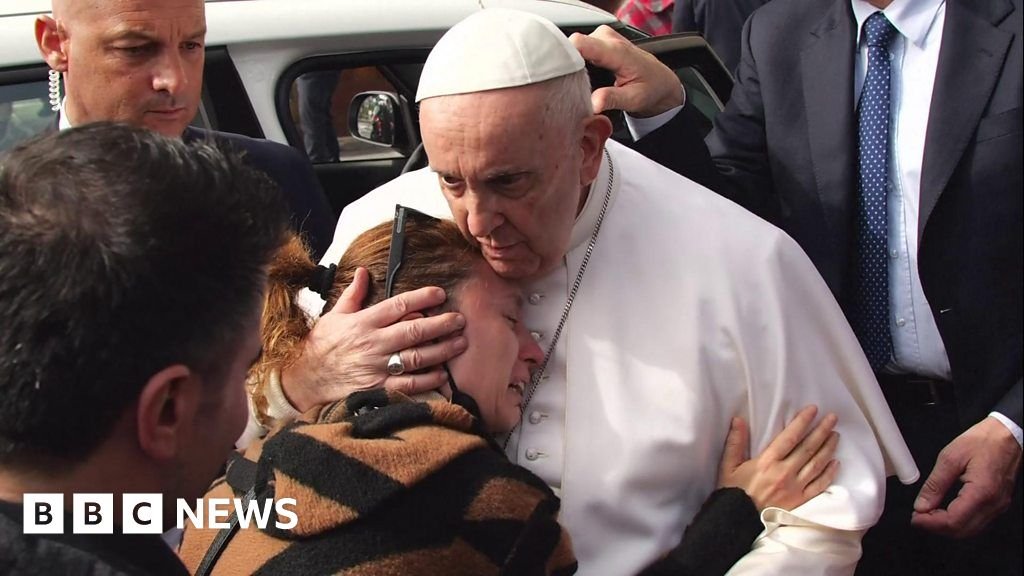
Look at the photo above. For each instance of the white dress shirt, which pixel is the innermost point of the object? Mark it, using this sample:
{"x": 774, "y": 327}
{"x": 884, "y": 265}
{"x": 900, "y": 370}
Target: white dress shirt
{"x": 914, "y": 54}
{"x": 62, "y": 118}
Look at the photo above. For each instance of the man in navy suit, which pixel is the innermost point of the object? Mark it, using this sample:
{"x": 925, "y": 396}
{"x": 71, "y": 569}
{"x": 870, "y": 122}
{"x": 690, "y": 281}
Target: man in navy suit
{"x": 885, "y": 137}
{"x": 142, "y": 63}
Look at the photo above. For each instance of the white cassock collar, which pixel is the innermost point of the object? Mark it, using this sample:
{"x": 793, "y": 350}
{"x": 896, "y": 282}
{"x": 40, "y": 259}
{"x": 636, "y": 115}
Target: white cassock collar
{"x": 587, "y": 218}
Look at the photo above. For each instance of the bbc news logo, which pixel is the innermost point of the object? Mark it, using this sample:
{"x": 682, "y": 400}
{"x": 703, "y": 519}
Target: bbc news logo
{"x": 143, "y": 513}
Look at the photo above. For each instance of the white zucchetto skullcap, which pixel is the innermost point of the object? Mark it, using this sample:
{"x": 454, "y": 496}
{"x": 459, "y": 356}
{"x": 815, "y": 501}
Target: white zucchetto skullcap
{"x": 497, "y": 48}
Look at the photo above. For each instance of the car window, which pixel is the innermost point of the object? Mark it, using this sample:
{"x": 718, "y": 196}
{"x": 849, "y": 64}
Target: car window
{"x": 319, "y": 103}
{"x": 314, "y": 99}
{"x": 24, "y": 112}
{"x": 700, "y": 94}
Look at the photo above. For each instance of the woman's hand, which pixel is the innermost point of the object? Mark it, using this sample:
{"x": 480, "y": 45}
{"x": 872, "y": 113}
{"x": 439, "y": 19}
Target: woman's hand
{"x": 794, "y": 468}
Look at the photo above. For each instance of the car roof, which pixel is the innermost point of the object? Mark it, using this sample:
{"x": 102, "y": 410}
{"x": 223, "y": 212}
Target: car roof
{"x": 230, "y": 22}
{"x": 15, "y": 7}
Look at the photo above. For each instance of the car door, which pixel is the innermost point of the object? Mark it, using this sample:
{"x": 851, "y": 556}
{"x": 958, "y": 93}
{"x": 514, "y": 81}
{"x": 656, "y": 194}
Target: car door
{"x": 361, "y": 165}
{"x": 314, "y": 99}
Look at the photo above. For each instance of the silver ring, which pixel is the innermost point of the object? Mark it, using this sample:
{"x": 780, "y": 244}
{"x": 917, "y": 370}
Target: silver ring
{"x": 395, "y": 365}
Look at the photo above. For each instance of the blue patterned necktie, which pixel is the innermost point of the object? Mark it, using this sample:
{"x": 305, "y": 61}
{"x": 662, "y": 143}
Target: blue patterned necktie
{"x": 871, "y": 292}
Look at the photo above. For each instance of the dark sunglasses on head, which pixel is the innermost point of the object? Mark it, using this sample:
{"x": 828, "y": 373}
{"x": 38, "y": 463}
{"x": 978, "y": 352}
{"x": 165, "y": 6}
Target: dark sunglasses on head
{"x": 396, "y": 257}
{"x": 396, "y": 253}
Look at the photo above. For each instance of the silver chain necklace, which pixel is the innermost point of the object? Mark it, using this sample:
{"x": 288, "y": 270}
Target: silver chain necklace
{"x": 539, "y": 374}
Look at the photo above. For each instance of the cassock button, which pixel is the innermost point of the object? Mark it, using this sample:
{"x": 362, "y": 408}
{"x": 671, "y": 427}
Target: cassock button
{"x": 532, "y": 454}
{"x": 901, "y": 322}
{"x": 535, "y": 298}
{"x": 536, "y": 417}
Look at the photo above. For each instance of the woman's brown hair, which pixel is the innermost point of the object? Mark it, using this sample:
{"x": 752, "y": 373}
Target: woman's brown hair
{"x": 436, "y": 254}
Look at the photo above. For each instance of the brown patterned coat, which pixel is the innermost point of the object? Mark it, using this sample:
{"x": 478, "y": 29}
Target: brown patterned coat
{"x": 388, "y": 486}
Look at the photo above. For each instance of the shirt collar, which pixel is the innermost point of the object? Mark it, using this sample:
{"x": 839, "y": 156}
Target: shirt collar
{"x": 912, "y": 18}
{"x": 62, "y": 118}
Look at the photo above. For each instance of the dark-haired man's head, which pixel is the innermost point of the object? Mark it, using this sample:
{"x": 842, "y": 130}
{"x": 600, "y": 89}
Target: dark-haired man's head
{"x": 132, "y": 271}
{"x": 135, "y": 61}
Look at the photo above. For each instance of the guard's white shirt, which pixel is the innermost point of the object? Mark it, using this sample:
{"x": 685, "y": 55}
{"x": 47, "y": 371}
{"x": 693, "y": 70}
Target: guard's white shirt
{"x": 691, "y": 311}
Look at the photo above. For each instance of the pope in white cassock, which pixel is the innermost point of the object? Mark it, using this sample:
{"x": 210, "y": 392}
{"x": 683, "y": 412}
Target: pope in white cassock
{"x": 665, "y": 309}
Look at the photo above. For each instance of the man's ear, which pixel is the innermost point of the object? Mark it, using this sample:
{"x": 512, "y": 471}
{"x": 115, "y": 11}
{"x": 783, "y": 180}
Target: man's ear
{"x": 596, "y": 130}
{"x": 50, "y": 41}
{"x": 167, "y": 410}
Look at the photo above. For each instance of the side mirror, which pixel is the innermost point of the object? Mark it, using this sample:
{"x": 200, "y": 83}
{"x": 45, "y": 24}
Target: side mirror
{"x": 373, "y": 117}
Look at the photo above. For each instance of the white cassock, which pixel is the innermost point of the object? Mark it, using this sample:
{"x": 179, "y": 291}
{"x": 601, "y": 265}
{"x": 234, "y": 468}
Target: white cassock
{"x": 691, "y": 311}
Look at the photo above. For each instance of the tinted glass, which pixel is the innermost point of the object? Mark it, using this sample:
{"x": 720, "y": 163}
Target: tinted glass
{"x": 24, "y": 112}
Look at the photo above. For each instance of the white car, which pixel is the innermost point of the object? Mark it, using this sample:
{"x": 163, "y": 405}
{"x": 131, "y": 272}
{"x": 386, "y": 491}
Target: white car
{"x": 359, "y": 63}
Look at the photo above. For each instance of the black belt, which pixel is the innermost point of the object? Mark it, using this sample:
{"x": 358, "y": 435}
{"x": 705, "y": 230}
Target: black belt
{"x": 911, "y": 390}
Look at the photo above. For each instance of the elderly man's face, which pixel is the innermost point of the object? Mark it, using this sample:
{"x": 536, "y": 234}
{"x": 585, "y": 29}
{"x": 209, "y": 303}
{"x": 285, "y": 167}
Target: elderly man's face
{"x": 512, "y": 179}
{"x": 135, "y": 61}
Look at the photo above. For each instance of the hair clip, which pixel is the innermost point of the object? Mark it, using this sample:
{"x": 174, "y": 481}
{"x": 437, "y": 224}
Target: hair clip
{"x": 322, "y": 280}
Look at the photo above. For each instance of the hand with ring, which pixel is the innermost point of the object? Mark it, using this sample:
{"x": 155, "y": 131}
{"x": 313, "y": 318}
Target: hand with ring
{"x": 395, "y": 365}
{"x": 389, "y": 344}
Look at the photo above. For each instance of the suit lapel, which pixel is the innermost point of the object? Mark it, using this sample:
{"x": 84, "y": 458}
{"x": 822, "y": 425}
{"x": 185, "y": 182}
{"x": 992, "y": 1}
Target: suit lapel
{"x": 192, "y": 134}
{"x": 970, "y": 59}
{"x": 827, "y": 70}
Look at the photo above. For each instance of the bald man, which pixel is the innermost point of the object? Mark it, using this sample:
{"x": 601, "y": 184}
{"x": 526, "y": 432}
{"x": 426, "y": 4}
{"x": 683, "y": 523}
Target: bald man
{"x": 141, "y": 62}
